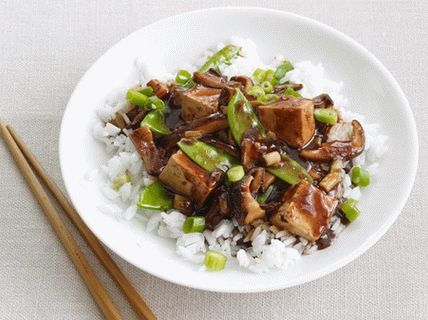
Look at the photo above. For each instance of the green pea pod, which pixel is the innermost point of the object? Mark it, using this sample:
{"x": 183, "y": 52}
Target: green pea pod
{"x": 155, "y": 121}
{"x": 154, "y": 197}
{"x": 291, "y": 172}
{"x": 224, "y": 56}
{"x": 241, "y": 117}
{"x": 207, "y": 156}
{"x": 263, "y": 197}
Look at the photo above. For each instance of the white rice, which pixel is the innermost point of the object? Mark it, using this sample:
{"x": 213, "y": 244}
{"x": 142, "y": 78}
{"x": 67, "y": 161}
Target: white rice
{"x": 268, "y": 249}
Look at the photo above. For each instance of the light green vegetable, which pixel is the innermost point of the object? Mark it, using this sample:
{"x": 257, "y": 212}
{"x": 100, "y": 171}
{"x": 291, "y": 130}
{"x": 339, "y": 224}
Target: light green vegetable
{"x": 350, "y": 210}
{"x": 156, "y": 103}
{"x": 142, "y": 100}
{"x": 282, "y": 69}
{"x": 259, "y": 75}
{"x": 224, "y": 56}
{"x": 328, "y": 116}
{"x": 154, "y": 197}
{"x": 182, "y": 76}
{"x": 269, "y": 75}
{"x": 215, "y": 261}
{"x": 241, "y": 117}
{"x": 256, "y": 91}
{"x": 291, "y": 92}
{"x": 235, "y": 173}
{"x": 262, "y": 198}
{"x": 267, "y": 86}
{"x": 155, "y": 121}
{"x": 291, "y": 172}
{"x": 120, "y": 181}
{"x": 137, "y": 98}
{"x": 147, "y": 91}
{"x": 194, "y": 224}
{"x": 267, "y": 99}
{"x": 360, "y": 177}
{"x": 207, "y": 156}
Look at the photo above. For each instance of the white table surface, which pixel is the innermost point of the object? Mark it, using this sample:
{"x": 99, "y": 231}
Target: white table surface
{"x": 46, "y": 46}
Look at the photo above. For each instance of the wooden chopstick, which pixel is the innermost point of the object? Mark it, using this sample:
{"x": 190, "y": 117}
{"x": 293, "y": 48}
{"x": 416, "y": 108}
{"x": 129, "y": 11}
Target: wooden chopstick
{"x": 95, "y": 287}
{"x": 134, "y": 299}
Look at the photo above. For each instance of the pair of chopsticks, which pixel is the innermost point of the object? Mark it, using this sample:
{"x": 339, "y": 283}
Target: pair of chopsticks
{"x": 27, "y": 163}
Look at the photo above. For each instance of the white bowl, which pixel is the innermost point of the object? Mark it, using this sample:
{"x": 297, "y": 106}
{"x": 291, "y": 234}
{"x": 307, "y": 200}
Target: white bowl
{"x": 371, "y": 90}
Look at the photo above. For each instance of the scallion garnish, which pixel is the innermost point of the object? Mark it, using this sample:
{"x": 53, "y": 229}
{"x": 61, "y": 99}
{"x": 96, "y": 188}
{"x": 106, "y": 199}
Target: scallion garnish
{"x": 215, "y": 261}
{"x": 350, "y": 210}
{"x": 194, "y": 224}
{"x": 360, "y": 177}
{"x": 328, "y": 116}
{"x": 235, "y": 173}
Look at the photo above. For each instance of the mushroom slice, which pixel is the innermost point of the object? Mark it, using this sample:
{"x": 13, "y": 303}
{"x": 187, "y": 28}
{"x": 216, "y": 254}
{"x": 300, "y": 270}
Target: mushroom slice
{"x": 209, "y": 79}
{"x": 245, "y": 81}
{"x": 243, "y": 205}
{"x": 226, "y": 94}
{"x": 160, "y": 89}
{"x": 291, "y": 85}
{"x": 344, "y": 150}
{"x": 322, "y": 101}
{"x": 206, "y": 125}
{"x": 183, "y": 204}
{"x": 144, "y": 143}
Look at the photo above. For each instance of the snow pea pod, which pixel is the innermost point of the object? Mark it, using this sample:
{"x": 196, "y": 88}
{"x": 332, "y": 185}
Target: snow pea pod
{"x": 155, "y": 121}
{"x": 154, "y": 197}
{"x": 224, "y": 56}
{"x": 207, "y": 156}
{"x": 290, "y": 171}
{"x": 241, "y": 117}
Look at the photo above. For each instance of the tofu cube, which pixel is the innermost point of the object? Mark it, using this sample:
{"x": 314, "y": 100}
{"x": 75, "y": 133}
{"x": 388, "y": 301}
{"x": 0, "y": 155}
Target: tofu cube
{"x": 305, "y": 211}
{"x": 185, "y": 177}
{"x": 199, "y": 102}
{"x": 291, "y": 119}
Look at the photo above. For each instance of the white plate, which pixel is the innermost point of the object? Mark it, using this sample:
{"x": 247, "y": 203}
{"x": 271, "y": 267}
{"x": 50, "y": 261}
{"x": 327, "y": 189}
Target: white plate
{"x": 371, "y": 90}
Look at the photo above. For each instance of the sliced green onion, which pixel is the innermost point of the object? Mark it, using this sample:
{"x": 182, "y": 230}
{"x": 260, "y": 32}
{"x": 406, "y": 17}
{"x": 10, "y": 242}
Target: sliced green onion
{"x": 194, "y": 224}
{"x": 291, "y": 92}
{"x": 147, "y": 91}
{"x": 269, "y": 75}
{"x": 282, "y": 69}
{"x": 350, "y": 210}
{"x": 155, "y": 121}
{"x": 259, "y": 75}
{"x": 182, "y": 77}
{"x": 235, "y": 173}
{"x": 120, "y": 181}
{"x": 255, "y": 91}
{"x": 137, "y": 98}
{"x": 154, "y": 197}
{"x": 268, "y": 99}
{"x": 156, "y": 103}
{"x": 262, "y": 198}
{"x": 189, "y": 84}
{"x": 267, "y": 87}
{"x": 328, "y": 116}
{"x": 215, "y": 261}
{"x": 360, "y": 177}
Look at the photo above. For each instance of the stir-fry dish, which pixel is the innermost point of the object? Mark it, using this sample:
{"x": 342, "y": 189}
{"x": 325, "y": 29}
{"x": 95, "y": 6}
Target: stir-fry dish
{"x": 236, "y": 156}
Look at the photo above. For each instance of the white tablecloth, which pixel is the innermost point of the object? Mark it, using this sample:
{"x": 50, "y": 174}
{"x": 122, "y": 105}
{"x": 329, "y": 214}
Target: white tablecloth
{"x": 46, "y": 46}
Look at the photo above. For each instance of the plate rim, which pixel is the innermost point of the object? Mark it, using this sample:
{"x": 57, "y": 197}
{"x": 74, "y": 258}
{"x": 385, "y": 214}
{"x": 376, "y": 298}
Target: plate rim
{"x": 372, "y": 240}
